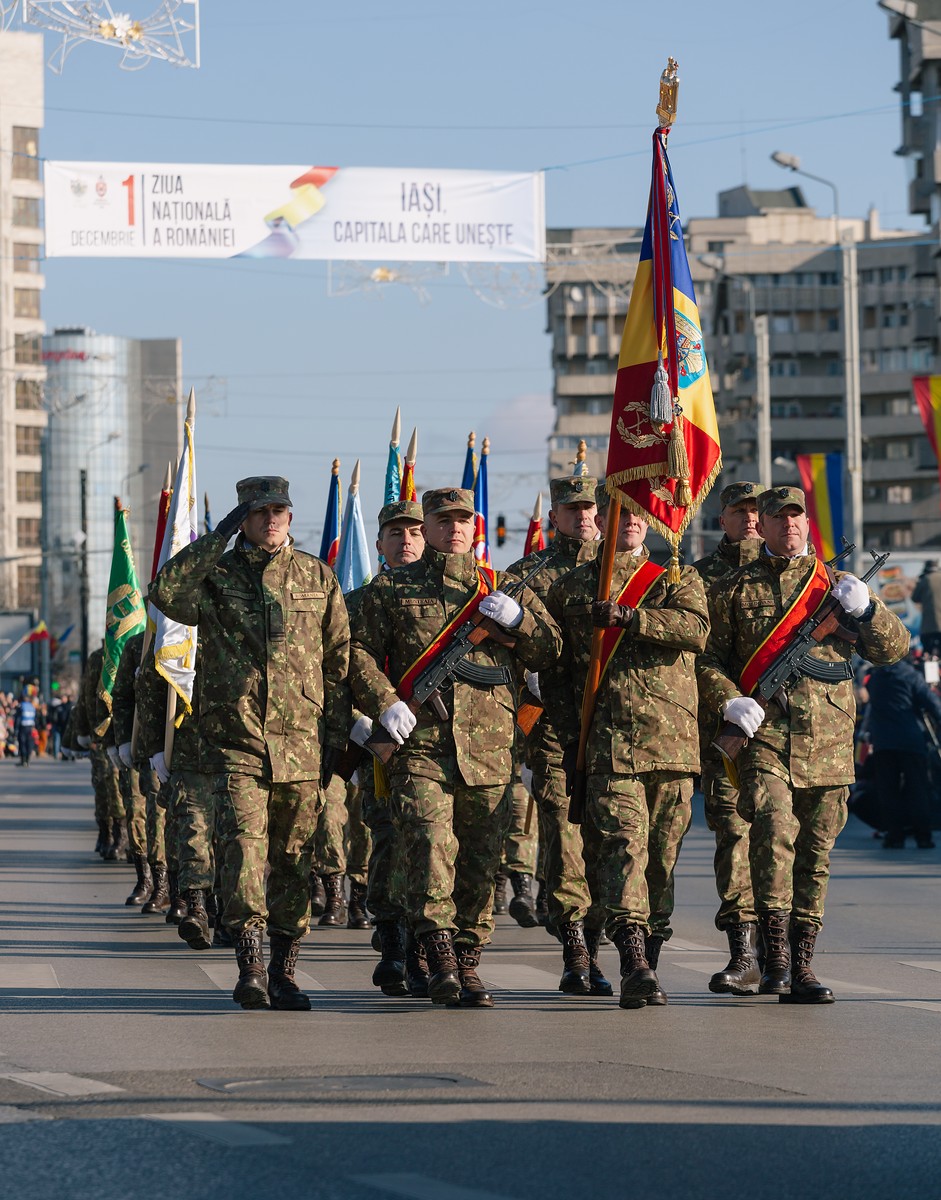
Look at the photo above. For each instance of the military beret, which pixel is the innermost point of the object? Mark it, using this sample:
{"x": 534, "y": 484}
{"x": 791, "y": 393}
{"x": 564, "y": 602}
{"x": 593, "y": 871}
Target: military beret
{"x": 773, "y": 500}
{"x": 401, "y": 510}
{"x": 447, "y": 500}
{"x": 602, "y": 496}
{"x": 259, "y": 490}
{"x": 736, "y": 493}
{"x": 573, "y": 489}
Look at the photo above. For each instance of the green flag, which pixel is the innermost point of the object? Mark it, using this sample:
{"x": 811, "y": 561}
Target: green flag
{"x": 126, "y": 613}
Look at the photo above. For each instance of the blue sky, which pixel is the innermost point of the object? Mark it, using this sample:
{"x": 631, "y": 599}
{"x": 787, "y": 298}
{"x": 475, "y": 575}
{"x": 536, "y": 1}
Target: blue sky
{"x": 290, "y": 377}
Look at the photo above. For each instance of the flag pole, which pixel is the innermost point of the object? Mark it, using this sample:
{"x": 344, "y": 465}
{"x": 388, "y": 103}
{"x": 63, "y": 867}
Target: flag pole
{"x": 149, "y": 628}
{"x": 169, "y": 730}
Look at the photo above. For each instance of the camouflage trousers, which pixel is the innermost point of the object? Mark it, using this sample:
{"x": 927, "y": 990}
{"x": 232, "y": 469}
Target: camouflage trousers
{"x": 641, "y": 821}
{"x": 263, "y": 823}
{"x": 731, "y": 864}
{"x": 520, "y": 847}
{"x": 194, "y": 824}
{"x": 792, "y": 834}
{"x": 341, "y": 846}
{"x": 104, "y": 779}
{"x": 569, "y": 853}
{"x": 133, "y": 784}
{"x": 161, "y": 845}
{"x": 385, "y": 895}
{"x": 453, "y": 840}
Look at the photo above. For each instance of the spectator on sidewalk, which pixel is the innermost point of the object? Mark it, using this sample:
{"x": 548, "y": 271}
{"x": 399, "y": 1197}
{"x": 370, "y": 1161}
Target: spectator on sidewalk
{"x": 927, "y": 593}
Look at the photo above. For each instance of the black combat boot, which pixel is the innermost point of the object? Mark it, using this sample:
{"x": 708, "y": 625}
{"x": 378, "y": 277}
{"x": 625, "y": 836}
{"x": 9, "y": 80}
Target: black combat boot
{"x": 499, "y": 895}
{"x": 144, "y": 885}
{"x": 776, "y": 977}
{"x": 375, "y": 941}
{"x": 522, "y": 906}
{"x": 194, "y": 927}
{"x": 283, "y": 992}
{"x": 473, "y": 993}
{"x": 444, "y": 981}
{"x": 389, "y": 975}
{"x": 806, "y": 988}
{"x": 318, "y": 897}
{"x": 221, "y": 938}
{"x": 542, "y": 904}
{"x": 159, "y": 900}
{"x": 118, "y": 843}
{"x": 416, "y": 967}
{"x": 599, "y": 985}
{"x": 104, "y": 836}
{"x": 356, "y": 915}
{"x": 177, "y": 910}
{"x": 335, "y": 911}
{"x": 653, "y": 943}
{"x": 741, "y": 975}
{"x": 251, "y": 991}
{"x": 577, "y": 964}
{"x": 637, "y": 980}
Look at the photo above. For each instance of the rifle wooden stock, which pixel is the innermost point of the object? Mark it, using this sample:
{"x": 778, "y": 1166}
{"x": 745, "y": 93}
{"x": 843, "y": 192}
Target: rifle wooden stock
{"x": 528, "y": 713}
{"x": 730, "y": 741}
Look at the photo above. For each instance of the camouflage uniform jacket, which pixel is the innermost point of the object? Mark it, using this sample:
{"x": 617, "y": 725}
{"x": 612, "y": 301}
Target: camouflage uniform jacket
{"x": 812, "y": 744}
{"x": 645, "y": 718}
{"x": 564, "y": 554}
{"x": 274, "y": 650}
{"x": 399, "y": 615}
{"x": 90, "y": 712}
{"x": 122, "y": 694}
{"x": 150, "y": 693}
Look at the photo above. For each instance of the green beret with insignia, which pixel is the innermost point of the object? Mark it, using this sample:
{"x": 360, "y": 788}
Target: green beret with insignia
{"x": 261, "y": 490}
{"x": 447, "y": 500}
{"x": 737, "y": 493}
{"x": 773, "y": 500}
{"x": 401, "y": 510}
{"x": 573, "y": 489}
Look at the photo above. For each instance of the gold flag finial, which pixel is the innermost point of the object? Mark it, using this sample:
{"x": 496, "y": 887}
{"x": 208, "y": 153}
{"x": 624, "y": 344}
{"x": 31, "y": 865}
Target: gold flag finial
{"x": 336, "y": 467}
{"x": 669, "y": 90}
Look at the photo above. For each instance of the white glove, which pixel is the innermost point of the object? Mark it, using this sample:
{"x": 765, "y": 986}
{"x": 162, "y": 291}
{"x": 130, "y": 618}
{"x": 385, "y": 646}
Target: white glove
{"x": 361, "y": 731}
{"x": 113, "y": 755}
{"x": 532, "y": 682}
{"x": 354, "y": 778}
{"x": 526, "y": 776}
{"x": 159, "y": 764}
{"x": 502, "y": 608}
{"x": 744, "y": 712}
{"x": 124, "y": 753}
{"x": 852, "y": 594}
{"x": 398, "y": 720}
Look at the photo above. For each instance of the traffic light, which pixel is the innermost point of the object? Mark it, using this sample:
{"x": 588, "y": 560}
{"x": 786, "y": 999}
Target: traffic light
{"x": 501, "y": 529}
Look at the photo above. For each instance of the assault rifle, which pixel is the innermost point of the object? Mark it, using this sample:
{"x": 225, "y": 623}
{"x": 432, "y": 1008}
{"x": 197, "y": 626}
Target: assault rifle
{"x": 795, "y": 661}
{"x": 451, "y": 664}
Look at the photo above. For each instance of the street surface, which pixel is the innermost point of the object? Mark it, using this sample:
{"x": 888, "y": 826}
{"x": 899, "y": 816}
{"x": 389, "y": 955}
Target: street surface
{"x": 126, "y": 1070}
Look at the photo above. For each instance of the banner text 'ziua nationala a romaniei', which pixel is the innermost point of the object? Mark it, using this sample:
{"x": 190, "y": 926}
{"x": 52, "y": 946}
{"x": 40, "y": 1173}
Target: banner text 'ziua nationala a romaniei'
{"x": 136, "y": 210}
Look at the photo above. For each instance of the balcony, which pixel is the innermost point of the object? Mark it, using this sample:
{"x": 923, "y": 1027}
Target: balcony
{"x": 585, "y": 385}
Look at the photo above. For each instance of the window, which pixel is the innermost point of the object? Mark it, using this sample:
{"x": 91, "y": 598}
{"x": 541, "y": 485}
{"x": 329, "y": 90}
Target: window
{"x": 599, "y": 366}
{"x": 902, "y": 537}
{"x": 897, "y": 450}
{"x": 829, "y": 278}
{"x": 900, "y": 406}
{"x": 27, "y": 349}
{"x": 26, "y": 257}
{"x": 25, "y": 152}
{"x": 28, "y": 439}
{"x": 885, "y": 274}
{"x": 716, "y": 247}
{"x": 782, "y": 324}
{"x": 26, "y": 302}
{"x": 27, "y": 533}
{"x": 869, "y": 318}
{"x": 599, "y": 326}
{"x": 786, "y": 367}
{"x": 26, "y": 212}
{"x": 28, "y": 394}
{"x": 28, "y": 486}
{"x": 27, "y": 585}
{"x": 898, "y": 494}
{"x": 830, "y": 321}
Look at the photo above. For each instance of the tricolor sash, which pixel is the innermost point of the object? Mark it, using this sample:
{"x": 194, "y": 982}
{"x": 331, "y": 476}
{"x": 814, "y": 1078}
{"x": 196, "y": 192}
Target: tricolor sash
{"x": 632, "y": 595}
{"x": 486, "y": 583}
{"x": 812, "y": 595}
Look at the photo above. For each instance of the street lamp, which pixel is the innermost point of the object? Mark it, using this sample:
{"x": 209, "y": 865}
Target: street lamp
{"x": 790, "y": 162}
{"x": 83, "y": 567}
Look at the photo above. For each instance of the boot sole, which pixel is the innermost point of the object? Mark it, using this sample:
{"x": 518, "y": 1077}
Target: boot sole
{"x": 395, "y": 989}
{"x": 195, "y": 937}
{"x": 731, "y": 989}
{"x": 790, "y": 998}
{"x": 445, "y": 994}
{"x": 576, "y": 988}
{"x": 476, "y": 1003}
{"x": 254, "y": 997}
{"x": 523, "y": 916}
{"x": 774, "y": 989}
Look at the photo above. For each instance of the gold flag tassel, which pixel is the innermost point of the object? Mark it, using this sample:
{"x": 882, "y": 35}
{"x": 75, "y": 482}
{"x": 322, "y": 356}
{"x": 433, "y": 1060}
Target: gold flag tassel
{"x": 661, "y": 406}
{"x": 678, "y": 461}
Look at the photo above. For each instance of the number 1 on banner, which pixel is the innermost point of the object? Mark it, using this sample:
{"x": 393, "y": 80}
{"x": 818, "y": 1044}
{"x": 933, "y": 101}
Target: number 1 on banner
{"x": 129, "y": 184}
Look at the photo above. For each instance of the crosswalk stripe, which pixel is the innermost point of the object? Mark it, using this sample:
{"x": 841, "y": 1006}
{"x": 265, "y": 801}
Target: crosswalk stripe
{"x": 216, "y": 1129}
{"x": 925, "y": 1005}
{"x": 510, "y": 976}
{"x": 676, "y": 943}
{"x": 60, "y": 1084}
{"x": 10, "y": 1115}
{"x": 17, "y": 976}
{"x": 423, "y": 1187}
{"x": 922, "y": 965}
{"x": 225, "y": 977}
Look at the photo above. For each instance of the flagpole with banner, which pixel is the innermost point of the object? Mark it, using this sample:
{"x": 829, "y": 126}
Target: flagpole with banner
{"x": 353, "y": 566}
{"x": 663, "y": 449}
{"x": 927, "y": 391}
{"x": 469, "y": 478}
{"x": 330, "y": 541}
{"x": 126, "y": 614}
{"x": 481, "y": 507}
{"x": 822, "y": 480}
{"x": 163, "y": 508}
{"x": 394, "y": 463}
{"x": 407, "y": 490}
{"x": 535, "y": 538}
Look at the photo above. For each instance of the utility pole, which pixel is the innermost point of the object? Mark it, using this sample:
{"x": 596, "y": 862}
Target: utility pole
{"x": 763, "y": 397}
{"x": 83, "y": 568}
{"x": 854, "y": 437}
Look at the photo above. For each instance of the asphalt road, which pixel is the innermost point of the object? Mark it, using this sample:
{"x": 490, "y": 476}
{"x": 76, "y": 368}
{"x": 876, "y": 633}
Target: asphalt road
{"x": 126, "y": 1071}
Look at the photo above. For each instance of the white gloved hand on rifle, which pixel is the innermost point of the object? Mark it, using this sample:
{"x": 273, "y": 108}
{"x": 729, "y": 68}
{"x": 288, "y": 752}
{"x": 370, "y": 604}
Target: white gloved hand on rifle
{"x": 124, "y": 753}
{"x": 159, "y": 764}
{"x": 852, "y": 594}
{"x": 361, "y": 731}
{"x": 398, "y": 721}
{"x": 503, "y": 609}
{"x": 744, "y": 712}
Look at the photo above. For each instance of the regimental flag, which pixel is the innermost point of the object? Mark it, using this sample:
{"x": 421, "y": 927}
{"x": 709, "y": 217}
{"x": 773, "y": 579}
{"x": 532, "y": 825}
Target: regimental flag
{"x": 407, "y": 490}
{"x": 353, "y": 567}
{"x": 481, "y": 508}
{"x": 927, "y": 389}
{"x": 207, "y": 516}
{"x": 535, "y": 538}
{"x": 469, "y": 478}
{"x": 163, "y": 507}
{"x": 393, "y": 486}
{"x": 126, "y": 614}
{"x": 330, "y": 542}
{"x": 39, "y": 633}
{"x": 822, "y": 481}
{"x": 663, "y": 453}
{"x": 175, "y": 643}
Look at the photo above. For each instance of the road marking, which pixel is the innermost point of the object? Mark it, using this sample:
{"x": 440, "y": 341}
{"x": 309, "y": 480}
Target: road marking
{"x": 225, "y": 978}
{"x": 17, "y": 1116}
{"x": 16, "y": 976}
{"x": 217, "y": 1129}
{"x": 423, "y": 1187}
{"x": 862, "y": 989}
{"x": 517, "y": 977}
{"x": 680, "y": 944}
{"x": 924, "y": 966}
{"x": 56, "y": 1084}
{"x": 925, "y": 1005}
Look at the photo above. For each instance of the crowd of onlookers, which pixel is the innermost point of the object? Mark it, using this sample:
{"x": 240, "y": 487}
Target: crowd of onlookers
{"x": 33, "y": 727}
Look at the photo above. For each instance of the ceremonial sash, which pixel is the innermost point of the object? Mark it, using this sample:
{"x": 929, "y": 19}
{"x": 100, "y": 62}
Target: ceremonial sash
{"x": 486, "y": 582}
{"x": 812, "y": 595}
{"x": 632, "y": 595}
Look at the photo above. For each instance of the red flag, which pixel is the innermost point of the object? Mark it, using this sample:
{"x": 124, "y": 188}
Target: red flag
{"x": 927, "y": 389}
{"x": 163, "y": 507}
{"x": 39, "y": 634}
{"x": 407, "y": 490}
{"x": 535, "y": 538}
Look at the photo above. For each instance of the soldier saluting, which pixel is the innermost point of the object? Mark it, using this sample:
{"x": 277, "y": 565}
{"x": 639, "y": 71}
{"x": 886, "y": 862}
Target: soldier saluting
{"x": 449, "y": 779}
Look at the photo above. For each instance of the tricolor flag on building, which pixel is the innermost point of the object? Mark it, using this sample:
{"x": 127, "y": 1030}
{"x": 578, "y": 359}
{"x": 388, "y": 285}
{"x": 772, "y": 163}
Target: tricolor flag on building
{"x": 822, "y": 481}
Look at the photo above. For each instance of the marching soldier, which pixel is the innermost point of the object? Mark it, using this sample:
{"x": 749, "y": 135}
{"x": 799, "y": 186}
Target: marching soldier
{"x": 274, "y": 712}
{"x": 797, "y": 765}
{"x": 449, "y": 780}
{"x": 643, "y": 747}
{"x": 109, "y": 808}
{"x": 736, "y": 916}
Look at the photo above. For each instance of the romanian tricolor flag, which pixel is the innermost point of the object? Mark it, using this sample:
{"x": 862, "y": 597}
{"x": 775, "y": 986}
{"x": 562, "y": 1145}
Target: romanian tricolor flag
{"x": 822, "y": 481}
{"x": 927, "y": 389}
{"x": 481, "y": 506}
{"x": 38, "y": 633}
{"x": 330, "y": 542}
{"x": 469, "y": 478}
{"x": 663, "y": 454}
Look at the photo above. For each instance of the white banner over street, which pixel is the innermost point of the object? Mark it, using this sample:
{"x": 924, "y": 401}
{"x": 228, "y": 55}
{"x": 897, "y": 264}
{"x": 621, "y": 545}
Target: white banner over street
{"x": 382, "y": 214}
